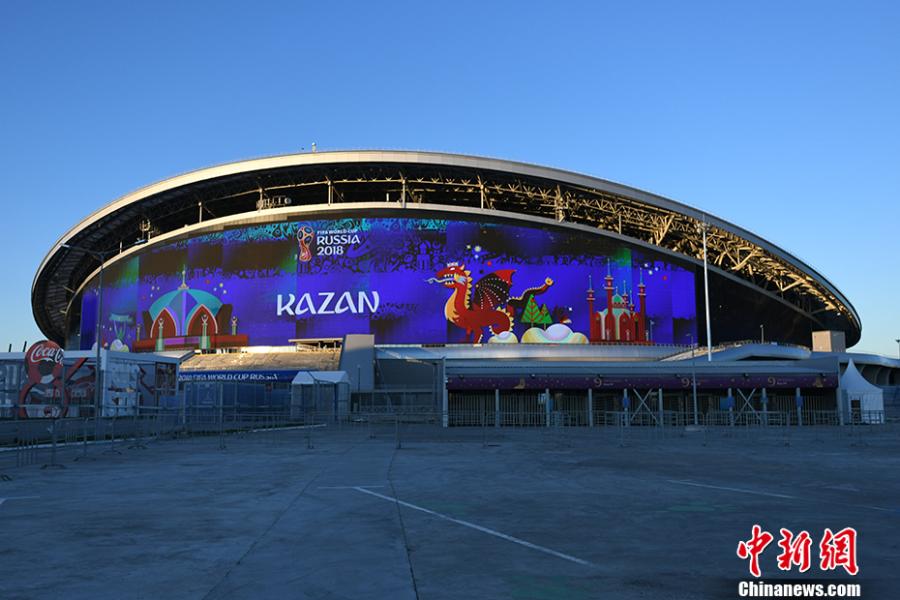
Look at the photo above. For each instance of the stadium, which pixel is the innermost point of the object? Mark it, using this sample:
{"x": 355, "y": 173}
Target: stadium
{"x": 435, "y": 280}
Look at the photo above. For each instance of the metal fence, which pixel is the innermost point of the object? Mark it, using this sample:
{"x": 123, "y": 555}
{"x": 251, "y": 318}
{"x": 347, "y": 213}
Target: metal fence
{"x": 622, "y": 427}
{"x": 51, "y": 443}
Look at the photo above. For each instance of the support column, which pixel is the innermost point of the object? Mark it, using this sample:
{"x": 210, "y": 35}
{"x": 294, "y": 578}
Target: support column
{"x": 799, "y": 401}
{"x": 625, "y": 404}
{"x": 445, "y": 399}
{"x": 659, "y": 401}
{"x": 496, "y": 408}
{"x": 590, "y": 407}
{"x": 730, "y": 400}
{"x": 705, "y": 228}
{"x": 547, "y": 407}
{"x": 764, "y": 400}
{"x": 840, "y": 402}
{"x": 181, "y": 392}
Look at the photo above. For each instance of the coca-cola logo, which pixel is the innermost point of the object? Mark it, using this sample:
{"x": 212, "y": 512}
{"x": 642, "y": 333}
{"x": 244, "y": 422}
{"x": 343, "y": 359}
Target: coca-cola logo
{"x": 44, "y": 362}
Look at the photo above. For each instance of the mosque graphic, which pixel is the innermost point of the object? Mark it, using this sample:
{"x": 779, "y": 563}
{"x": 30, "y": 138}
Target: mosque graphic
{"x": 619, "y": 322}
{"x": 187, "y": 318}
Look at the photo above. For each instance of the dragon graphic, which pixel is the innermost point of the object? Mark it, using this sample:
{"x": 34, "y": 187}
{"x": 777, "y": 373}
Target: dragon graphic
{"x": 486, "y": 304}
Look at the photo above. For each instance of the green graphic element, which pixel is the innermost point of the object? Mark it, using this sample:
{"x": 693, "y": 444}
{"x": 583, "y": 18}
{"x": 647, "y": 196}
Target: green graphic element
{"x": 544, "y": 317}
{"x": 532, "y": 313}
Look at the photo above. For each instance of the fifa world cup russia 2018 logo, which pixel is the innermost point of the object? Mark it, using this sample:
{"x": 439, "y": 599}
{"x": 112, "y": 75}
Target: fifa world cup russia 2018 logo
{"x": 305, "y": 238}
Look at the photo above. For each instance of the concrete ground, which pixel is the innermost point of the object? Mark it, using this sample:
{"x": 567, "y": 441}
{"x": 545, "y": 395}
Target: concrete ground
{"x": 530, "y": 514}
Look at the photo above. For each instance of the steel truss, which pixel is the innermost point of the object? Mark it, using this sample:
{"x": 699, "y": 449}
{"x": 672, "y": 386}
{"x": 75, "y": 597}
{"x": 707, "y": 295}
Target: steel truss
{"x": 402, "y": 185}
{"x": 674, "y": 231}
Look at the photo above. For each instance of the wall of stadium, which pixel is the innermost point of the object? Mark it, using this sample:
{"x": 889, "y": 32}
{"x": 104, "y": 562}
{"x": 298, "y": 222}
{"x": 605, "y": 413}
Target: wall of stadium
{"x": 411, "y": 277}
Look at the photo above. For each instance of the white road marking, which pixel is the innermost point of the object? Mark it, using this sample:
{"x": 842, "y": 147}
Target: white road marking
{"x": 2, "y": 500}
{"x": 347, "y": 487}
{"x": 881, "y": 508}
{"x": 498, "y": 534}
{"x": 773, "y": 495}
{"x": 731, "y": 489}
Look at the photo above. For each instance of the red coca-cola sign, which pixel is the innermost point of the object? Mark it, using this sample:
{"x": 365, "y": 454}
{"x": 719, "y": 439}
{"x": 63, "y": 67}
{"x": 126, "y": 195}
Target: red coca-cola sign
{"x": 44, "y": 362}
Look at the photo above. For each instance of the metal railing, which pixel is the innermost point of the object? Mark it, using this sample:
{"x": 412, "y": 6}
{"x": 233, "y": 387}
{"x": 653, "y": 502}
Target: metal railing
{"x": 51, "y": 443}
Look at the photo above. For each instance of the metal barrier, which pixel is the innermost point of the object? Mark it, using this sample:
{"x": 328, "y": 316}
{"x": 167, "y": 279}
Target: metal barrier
{"x": 51, "y": 443}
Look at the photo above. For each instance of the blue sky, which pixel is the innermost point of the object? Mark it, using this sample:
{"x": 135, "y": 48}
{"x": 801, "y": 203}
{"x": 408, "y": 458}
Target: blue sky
{"x": 783, "y": 117}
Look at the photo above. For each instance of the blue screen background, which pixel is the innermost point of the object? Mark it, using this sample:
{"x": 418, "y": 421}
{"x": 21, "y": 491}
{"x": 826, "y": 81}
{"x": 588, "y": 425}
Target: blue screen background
{"x": 246, "y": 269}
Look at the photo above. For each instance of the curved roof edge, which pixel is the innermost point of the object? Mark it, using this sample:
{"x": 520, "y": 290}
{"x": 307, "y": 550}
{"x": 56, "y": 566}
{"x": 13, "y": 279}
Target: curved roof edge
{"x": 437, "y": 159}
{"x": 217, "y": 225}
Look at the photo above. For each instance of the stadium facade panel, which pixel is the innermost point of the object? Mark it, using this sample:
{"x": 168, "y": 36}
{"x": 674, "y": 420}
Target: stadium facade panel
{"x": 417, "y": 248}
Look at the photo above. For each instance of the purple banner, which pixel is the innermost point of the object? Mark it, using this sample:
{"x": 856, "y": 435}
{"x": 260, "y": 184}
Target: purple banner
{"x": 405, "y": 280}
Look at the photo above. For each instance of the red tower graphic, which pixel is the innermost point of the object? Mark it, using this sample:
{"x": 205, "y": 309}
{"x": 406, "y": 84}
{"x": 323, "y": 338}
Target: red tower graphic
{"x": 618, "y": 322}
{"x": 594, "y": 329}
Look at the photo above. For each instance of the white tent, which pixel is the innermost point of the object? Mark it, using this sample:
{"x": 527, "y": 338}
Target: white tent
{"x": 864, "y": 400}
{"x": 320, "y": 395}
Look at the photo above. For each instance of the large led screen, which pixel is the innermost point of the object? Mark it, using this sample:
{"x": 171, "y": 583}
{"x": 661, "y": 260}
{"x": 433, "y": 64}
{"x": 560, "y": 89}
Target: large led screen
{"x": 405, "y": 280}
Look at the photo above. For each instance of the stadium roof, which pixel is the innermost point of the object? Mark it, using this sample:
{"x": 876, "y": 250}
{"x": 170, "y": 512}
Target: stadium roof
{"x": 275, "y": 187}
